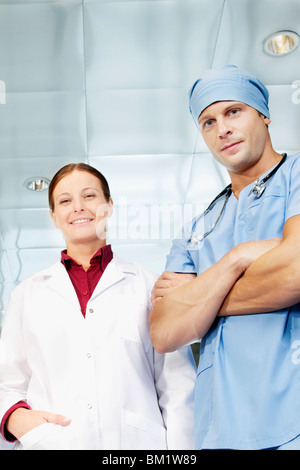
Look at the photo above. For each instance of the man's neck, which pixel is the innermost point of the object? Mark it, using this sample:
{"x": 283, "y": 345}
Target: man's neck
{"x": 240, "y": 180}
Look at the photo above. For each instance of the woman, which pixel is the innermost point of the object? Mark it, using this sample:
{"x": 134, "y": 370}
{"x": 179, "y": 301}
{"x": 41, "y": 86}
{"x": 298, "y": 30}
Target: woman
{"x": 78, "y": 370}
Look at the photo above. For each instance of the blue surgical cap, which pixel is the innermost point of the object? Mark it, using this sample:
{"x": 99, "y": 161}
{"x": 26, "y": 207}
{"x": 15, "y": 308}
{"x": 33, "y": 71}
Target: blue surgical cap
{"x": 228, "y": 83}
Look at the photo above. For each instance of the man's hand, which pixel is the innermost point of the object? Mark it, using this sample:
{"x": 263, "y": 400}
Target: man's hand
{"x": 167, "y": 282}
{"x": 23, "y": 420}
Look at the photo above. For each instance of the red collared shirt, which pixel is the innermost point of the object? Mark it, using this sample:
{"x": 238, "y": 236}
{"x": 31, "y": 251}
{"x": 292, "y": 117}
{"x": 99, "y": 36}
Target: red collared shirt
{"x": 84, "y": 283}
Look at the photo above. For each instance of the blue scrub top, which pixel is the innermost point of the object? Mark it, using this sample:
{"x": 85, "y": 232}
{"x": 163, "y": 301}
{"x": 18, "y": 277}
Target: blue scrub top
{"x": 248, "y": 381}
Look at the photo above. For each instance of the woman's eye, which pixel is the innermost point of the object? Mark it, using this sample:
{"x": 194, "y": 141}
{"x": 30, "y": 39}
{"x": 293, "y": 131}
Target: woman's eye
{"x": 89, "y": 196}
{"x": 64, "y": 201}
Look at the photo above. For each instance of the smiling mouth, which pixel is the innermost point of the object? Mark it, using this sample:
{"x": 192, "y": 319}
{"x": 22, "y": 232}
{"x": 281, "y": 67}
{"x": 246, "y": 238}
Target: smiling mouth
{"x": 81, "y": 221}
{"x": 230, "y": 146}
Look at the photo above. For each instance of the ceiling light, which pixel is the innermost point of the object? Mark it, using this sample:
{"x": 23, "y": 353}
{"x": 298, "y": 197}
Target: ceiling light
{"x": 37, "y": 183}
{"x": 281, "y": 43}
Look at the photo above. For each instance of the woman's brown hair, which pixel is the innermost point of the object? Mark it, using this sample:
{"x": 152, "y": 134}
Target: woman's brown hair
{"x": 67, "y": 169}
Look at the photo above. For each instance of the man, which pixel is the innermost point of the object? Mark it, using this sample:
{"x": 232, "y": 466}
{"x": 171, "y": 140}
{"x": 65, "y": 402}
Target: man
{"x": 247, "y": 262}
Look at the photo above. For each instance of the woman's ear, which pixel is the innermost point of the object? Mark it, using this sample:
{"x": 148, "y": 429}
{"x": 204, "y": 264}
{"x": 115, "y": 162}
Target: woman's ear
{"x": 53, "y": 217}
{"x": 110, "y": 207}
{"x": 104, "y": 211}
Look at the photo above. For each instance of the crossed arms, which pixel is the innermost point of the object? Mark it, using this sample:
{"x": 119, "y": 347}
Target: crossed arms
{"x": 253, "y": 277}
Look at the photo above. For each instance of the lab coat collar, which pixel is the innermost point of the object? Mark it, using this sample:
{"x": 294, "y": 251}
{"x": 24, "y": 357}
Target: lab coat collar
{"x": 58, "y": 278}
{"x": 114, "y": 272}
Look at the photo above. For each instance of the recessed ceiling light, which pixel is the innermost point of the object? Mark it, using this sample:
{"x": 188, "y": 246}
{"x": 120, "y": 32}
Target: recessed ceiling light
{"x": 281, "y": 43}
{"x": 37, "y": 183}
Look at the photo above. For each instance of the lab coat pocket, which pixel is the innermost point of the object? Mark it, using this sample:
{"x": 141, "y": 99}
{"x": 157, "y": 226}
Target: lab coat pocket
{"x": 140, "y": 433}
{"x": 47, "y": 436}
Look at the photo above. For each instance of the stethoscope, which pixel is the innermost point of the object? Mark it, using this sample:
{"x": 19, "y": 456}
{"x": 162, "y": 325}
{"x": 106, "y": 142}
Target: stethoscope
{"x": 258, "y": 188}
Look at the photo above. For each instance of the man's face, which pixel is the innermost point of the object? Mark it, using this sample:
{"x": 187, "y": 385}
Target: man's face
{"x": 235, "y": 133}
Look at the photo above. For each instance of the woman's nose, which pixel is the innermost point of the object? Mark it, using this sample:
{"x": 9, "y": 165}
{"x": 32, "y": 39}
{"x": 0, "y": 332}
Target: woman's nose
{"x": 78, "y": 205}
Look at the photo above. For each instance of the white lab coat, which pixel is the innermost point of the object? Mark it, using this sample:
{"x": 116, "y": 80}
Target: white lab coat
{"x": 101, "y": 371}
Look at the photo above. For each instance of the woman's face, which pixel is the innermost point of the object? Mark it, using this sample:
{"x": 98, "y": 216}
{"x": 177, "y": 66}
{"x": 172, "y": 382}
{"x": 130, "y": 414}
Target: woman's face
{"x": 80, "y": 208}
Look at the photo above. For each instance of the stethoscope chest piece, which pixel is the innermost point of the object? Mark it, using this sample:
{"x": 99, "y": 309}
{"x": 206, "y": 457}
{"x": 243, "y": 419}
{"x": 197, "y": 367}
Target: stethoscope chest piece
{"x": 257, "y": 189}
{"x": 259, "y": 186}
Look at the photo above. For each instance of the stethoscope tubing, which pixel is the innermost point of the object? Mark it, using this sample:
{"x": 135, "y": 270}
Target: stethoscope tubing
{"x": 257, "y": 189}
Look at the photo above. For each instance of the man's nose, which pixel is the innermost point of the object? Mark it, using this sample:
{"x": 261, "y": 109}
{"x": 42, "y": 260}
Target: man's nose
{"x": 223, "y": 130}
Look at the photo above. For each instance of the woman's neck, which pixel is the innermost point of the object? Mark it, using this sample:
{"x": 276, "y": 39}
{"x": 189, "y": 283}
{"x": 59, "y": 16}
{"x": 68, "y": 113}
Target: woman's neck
{"x": 83, "y": 253}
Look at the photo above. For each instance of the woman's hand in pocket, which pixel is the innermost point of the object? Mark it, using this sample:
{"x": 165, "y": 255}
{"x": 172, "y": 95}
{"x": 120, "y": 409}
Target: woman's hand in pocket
{"x": 23, "y": 420}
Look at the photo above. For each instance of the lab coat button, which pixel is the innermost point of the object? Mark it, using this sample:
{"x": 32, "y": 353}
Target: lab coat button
{"x": 89, "y": 406}
{"x": 91, "y": 310}
{"x": 88, "y": 355}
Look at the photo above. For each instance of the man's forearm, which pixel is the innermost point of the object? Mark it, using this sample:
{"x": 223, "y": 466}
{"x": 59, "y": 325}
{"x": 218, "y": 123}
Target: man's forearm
{"x": 186, "y": 313}
{"x": 271, "y": 282}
